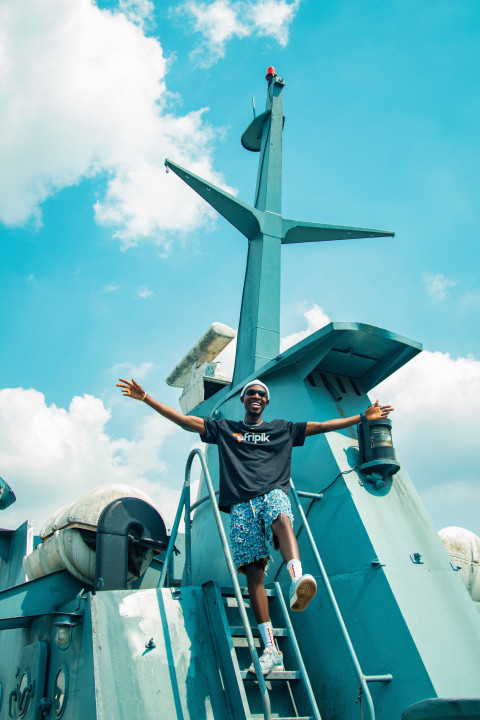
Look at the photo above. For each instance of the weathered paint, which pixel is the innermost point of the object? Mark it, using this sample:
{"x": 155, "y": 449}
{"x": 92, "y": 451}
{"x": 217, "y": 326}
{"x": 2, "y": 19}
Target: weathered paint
{"x": 178, "y": 678}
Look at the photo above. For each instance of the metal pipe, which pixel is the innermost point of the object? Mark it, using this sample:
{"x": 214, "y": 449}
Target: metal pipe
{"x": 236, "y": 587}
{"x": 378, "y": 678}
{"x": 336, "y": 609}
{"x": 173, "y": 537}
{"x": 188, "y": 529}
{"x": 296, "y": 649}
{"x": 314, "y": 496}
{"x": 202, "y": 500}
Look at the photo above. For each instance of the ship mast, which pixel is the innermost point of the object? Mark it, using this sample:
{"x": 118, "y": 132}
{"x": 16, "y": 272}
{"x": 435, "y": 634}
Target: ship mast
{"x": 258, "y": 339}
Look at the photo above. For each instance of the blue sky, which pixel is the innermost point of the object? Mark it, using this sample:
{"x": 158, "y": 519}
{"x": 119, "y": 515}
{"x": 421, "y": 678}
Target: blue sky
{"x": 110, "y": 266}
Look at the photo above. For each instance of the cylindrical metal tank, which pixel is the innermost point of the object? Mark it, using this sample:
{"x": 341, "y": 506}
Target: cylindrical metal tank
{"x": 69, "y": 536}
{"x": 463, "y": 547}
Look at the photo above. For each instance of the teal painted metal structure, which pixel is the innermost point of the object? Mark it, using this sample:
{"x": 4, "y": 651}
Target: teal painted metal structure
{"x": 408, "y": 620}
{"x": 392, "y": 633}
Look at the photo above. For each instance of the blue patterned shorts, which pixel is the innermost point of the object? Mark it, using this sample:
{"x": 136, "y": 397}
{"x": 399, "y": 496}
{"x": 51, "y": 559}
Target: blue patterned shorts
{"x": 251, "y": 526}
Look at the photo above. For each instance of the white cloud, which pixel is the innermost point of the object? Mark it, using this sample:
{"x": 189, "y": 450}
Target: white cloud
{"x": 129, "y": 370}
{"x": 144, "y": 292}
{"x": 316, "y": 318}
{"x": 111, "y": 288}
{"x": 51, "y": 456}
{"x": 437, "y": 284}
{"x": 138, "y": 11}
{"x": 435, "y": 431}
{"x": 222, "y": 20}
{"x": 218, "y": 22}
{"x": 83, "y": 94}
{"x": 272, "y": 18}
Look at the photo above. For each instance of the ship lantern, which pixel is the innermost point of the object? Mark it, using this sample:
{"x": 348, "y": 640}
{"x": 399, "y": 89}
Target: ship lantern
{"x": 378, "y": 461}
{"x": 64, "y": 634}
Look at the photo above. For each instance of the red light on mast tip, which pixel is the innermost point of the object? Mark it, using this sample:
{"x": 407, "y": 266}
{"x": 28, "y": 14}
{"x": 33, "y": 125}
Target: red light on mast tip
{"x": 270, "y": 71}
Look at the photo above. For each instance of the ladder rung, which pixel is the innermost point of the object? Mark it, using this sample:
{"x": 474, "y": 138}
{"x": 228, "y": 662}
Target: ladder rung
{"x": 292, "y": 717}
{"x": 241, "y": 642}
{"x": 231, "y": 602}
{"x": 239, "y": 630}
{"x": 228, "y": 592}
{"x": 274, "y": 675}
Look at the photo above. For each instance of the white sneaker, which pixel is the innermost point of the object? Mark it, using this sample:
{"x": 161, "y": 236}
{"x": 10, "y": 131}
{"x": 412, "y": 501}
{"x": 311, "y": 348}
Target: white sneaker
{"x": 301, "y": 592}
{"x": 271, "y": 659}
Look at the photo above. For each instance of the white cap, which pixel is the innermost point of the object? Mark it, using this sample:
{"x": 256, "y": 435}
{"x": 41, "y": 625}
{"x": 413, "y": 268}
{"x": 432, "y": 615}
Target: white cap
{"x": 255, "y": 382}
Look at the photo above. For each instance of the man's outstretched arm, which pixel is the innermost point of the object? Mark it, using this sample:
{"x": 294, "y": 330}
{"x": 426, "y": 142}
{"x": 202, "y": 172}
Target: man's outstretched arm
{"x": 187, "y": 422}
{"x": 374, "y": 412}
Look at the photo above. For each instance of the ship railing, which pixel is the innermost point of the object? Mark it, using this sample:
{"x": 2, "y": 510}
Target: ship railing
{"x": 185, "y": 504}
{"x": 364, "y": 691}
{"x": 364, "y": 695}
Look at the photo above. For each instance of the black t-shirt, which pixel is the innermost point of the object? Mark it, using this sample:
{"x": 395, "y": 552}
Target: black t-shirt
{"x": 253, "y": 461}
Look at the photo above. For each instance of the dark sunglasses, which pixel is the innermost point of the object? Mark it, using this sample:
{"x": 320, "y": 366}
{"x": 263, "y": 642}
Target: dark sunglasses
{"x": 260, "y": 393}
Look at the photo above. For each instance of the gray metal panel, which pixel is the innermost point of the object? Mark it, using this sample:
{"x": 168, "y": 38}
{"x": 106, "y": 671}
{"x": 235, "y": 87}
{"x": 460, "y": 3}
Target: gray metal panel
{"x": 444, "y": 709}
{"x": 365, "y": 353}
{"x": 297, "y": 231}
{"x": 356, "y": 350}
{"x": 241, "y": 215}
{"x": 252, "y": 136}
{"x": 435, "y": 606}
{"x": 225, "y": 648}
{"x": 178, "y": 678}
{"x": 20, "y": 543}
{"x": 20, "y": 604}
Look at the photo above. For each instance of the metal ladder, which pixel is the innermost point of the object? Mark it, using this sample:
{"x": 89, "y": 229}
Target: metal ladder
{"x": 291, "y": 695}
{"x": 239, "y": 637}
{"x": 237, "y": 678}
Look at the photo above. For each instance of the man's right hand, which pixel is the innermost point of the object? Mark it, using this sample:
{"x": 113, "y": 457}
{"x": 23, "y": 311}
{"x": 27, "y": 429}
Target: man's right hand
{"x": 187, "y": 422}
{"x": 132, "y": 389}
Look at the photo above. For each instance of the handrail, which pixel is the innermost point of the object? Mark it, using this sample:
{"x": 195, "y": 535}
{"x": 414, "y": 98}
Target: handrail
{"x": 197, "y": 503}
{"x": 185, "y": 502}
{"x": 363, "y": 679}
{"x": 173, "y": 535}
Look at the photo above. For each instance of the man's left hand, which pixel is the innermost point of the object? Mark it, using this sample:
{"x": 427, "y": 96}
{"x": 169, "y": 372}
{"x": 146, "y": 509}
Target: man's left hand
{"x": 377, "y": 411}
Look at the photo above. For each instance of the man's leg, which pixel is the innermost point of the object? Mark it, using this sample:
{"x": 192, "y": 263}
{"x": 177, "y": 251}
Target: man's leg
{"x": 271, "y": 658}
{"x": 287, "y": 542}
{"x": 255, "y": 573}
{"x": 250, "y": 554}
{"x": 303, "y": 587}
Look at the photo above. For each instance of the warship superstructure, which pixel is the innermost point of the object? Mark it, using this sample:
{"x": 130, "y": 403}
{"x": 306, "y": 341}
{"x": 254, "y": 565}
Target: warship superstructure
{"x": 120, "y": 619}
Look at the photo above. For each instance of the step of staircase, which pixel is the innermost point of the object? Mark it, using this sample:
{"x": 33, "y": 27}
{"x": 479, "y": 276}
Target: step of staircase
{"x": 274, "y": 675}
{"x": 277, "y": 717}
{"x": 239, "y": 630}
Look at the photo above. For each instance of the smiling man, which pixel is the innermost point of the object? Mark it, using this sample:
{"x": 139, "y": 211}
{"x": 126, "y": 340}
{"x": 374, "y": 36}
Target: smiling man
{"x": 255, "y": 460}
